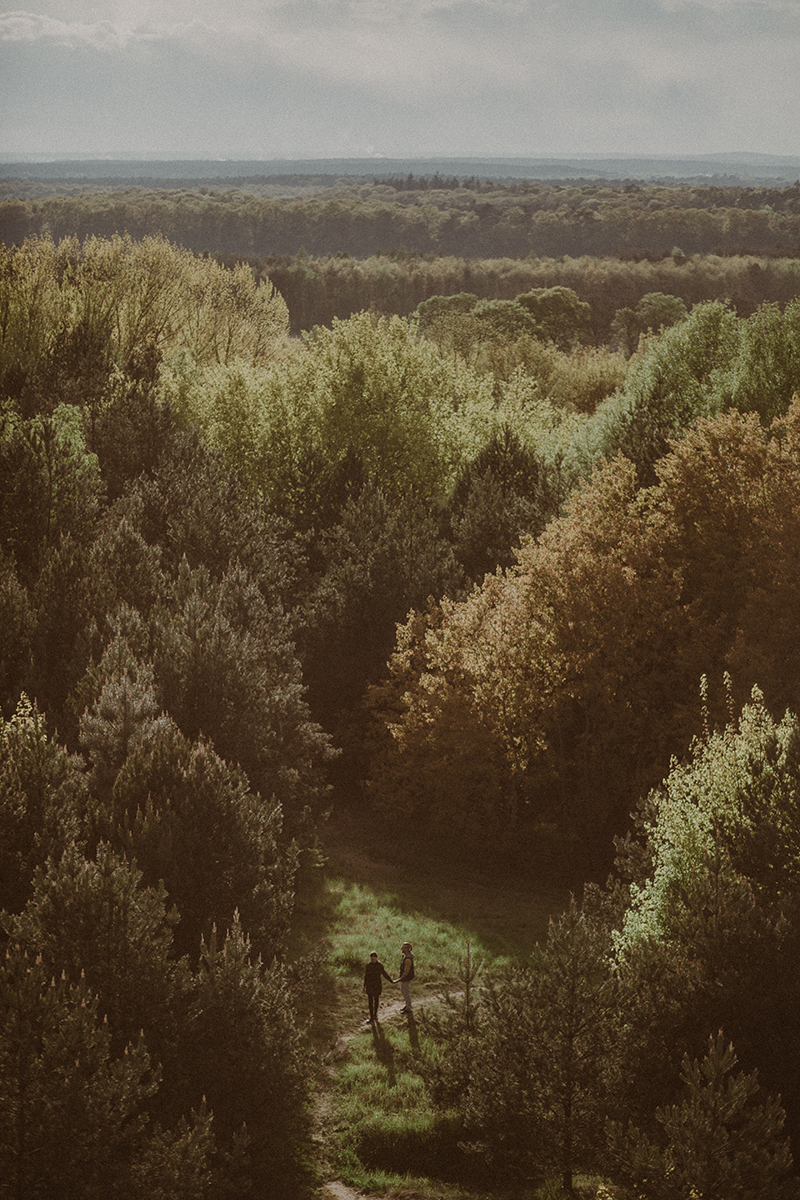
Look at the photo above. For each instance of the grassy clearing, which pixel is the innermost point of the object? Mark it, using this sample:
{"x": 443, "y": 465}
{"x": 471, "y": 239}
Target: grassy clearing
{"x": 376, "y": 896}
{"x": 368, "y": 922}
{"x": 506, "y": 914}
{"x": 381, "y": 1136}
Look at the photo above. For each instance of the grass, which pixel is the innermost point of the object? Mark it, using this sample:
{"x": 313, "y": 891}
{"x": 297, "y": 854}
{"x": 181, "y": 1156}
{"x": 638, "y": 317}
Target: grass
{"x": 385, "y": 1129}
{"x": 506, "y": 913}
{"x": 381, "y": 1135}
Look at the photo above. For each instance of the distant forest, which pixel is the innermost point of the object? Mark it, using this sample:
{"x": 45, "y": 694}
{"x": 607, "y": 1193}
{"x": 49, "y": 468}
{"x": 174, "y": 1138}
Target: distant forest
{"x": 430, "y": 216}
{"x": 392, "y": 243}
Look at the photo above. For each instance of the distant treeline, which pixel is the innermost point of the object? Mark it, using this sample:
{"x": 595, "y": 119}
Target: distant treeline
{"x": 433, "y": 217}
{"x": 317, "y": 290}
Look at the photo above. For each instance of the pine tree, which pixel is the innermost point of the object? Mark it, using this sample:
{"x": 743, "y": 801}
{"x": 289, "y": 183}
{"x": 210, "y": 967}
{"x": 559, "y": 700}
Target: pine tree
{"x": 243, "y": 1051}
{"x": 124, "y": 717}
{"x": 71, "y": 1113}
{"x": 190, "y": 820}
{"x": 537, "y": 1087}
{"x": 43, "y": 802}
{"x": 722, "y": 1139}
{"x": 96, "y": 921}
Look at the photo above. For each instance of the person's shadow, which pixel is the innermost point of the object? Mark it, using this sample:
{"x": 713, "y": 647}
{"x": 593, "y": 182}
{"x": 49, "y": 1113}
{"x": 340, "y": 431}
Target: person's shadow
{"x": 384, "y": 1052}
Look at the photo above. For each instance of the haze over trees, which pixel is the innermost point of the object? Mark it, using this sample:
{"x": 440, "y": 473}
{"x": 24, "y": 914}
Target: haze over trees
{"x": 515, "y": 568}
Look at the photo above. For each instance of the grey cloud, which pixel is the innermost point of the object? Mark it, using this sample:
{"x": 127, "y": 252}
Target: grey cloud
{"x": 326, "y": 77}
{"x": 100, "y": 35}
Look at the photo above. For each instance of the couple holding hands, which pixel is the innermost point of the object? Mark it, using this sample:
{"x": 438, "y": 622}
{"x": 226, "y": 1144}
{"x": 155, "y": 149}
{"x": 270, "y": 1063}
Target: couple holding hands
{"x": 375, "y": 971}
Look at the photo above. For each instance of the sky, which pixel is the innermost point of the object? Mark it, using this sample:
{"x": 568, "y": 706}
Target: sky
{"x": 400, "y": 78}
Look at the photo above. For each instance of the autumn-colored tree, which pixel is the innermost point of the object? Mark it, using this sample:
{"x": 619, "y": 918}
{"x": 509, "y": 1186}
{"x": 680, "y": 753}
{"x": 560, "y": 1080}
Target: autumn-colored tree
{"x": 539, "y": 656}
{"x": 585, "y": 658}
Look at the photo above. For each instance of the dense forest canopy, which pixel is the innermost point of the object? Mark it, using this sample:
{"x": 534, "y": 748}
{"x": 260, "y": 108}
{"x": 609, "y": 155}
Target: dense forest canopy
{"x": 344, "y": 245}
{"x": 489, "y": 220}
{"x": 507, "y": 554}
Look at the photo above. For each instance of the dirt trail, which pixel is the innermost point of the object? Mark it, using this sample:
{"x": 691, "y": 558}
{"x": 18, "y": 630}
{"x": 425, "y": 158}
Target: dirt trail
{"x": 340, "y": 1191}
{"x": 386, "y": 1013}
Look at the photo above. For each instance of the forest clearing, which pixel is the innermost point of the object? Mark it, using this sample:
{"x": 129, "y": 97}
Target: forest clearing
{"x": 375, "y": 896}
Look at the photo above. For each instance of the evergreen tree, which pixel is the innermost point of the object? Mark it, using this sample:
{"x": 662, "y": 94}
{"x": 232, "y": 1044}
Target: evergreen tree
{"x": 49, "y": 484}
{"x": 123, "y": 718}
{"x": 43, "y": 802}
{"x": 17, "y": 622}
{"x": 64, "y": 600}
{"x": 380, "y": 560}
{"x": 722, "y": 1139}
{"x": 765, "y": 373}
{"x": 226, "y": 670}
{"x": 243, "y": 1051}
{"x": 71, "y": 1111}
{"x": 503, "y": 495}
{"x": 96, "y": 921}
{"x": 710, "y": 932}
{"x": 190, "y": 819}
{"x": 536, "y": 1093}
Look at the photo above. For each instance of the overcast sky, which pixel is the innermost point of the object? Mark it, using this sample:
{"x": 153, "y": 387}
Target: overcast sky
{"x": 402, "y": 78}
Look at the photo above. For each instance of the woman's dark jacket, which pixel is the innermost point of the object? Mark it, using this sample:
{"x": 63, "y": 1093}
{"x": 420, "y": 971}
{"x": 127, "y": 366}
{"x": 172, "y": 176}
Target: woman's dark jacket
{"x": 372, "y": 978}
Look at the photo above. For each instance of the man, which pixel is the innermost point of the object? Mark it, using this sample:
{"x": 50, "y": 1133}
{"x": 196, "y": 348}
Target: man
{"x": 372, "y": 984}
{"x": 406, "y": 975}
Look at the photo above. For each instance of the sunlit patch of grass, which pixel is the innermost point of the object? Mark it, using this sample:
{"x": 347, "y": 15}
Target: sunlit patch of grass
{"x": 504, "y": 914}
{"x": 385, "y": 1126}
{"x": 364, "y": 923}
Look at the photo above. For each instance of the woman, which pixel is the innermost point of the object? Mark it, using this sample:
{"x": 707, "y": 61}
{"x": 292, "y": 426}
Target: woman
{"x": 372, "y": 984}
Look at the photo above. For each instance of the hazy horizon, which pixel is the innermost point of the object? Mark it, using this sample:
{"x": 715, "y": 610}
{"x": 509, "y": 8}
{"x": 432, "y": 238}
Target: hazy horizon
{"x": 362, "y": 79}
